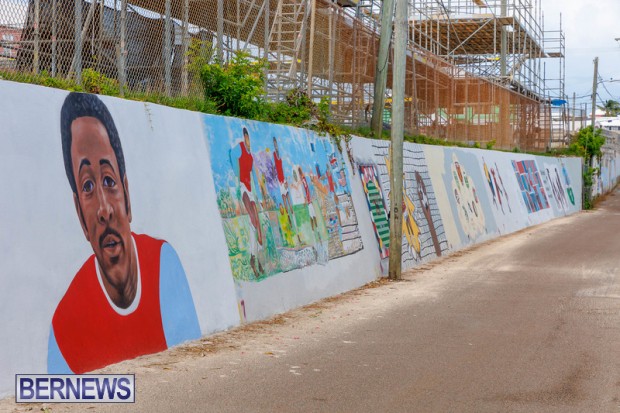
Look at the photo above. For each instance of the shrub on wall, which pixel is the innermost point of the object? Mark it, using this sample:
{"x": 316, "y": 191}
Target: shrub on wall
{"x": 236, "y": 88}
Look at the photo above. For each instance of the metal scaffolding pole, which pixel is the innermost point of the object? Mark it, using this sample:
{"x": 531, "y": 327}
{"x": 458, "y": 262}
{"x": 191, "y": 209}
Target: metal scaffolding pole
{"x": 220, "y": 30}
{"x": 77, "y": 57}
{"x": 311, "y": 46}
{"x": 122, "y": 49}
{"x": 54, "y": 36}
{"x": 167, "y": 49}
{"x": 184, "y": 74}
{"x": 37, "y": 36}
{"x": 504, "y": 41}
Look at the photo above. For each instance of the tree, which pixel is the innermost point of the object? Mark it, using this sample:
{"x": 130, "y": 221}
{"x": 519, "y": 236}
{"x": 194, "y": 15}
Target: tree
{"x": 588, "y": 144}
{"x": 611, "y": 107}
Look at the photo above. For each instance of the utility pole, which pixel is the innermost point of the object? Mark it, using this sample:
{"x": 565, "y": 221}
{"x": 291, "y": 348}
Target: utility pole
{"x": 398, "y": 129}
{"x": 387, "y": 13}
{"x": 574, "y": 111}
{"x": 594, "y": 84}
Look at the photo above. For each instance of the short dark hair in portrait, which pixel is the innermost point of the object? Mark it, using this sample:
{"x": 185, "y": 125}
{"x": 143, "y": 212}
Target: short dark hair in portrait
{"x": 79, "y": 105}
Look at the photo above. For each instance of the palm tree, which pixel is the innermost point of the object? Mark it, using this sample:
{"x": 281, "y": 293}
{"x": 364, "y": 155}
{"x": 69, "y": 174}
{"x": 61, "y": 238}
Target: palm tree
{"x": 611, "y": 107}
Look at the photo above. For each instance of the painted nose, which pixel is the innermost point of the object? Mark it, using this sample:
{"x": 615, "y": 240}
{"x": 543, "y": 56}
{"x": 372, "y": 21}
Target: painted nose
{"x": 105, "y": 210}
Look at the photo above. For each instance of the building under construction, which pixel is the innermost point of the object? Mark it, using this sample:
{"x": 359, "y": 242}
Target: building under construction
{"x": 476, "y": 69}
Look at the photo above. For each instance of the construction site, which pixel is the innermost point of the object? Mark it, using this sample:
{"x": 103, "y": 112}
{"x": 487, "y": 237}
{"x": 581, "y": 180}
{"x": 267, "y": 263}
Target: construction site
{"x": 477, "y": 71}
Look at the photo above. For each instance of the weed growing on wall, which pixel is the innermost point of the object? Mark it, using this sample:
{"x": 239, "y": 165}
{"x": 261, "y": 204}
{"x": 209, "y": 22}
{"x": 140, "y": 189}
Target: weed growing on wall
{"x": 95, "y": 82}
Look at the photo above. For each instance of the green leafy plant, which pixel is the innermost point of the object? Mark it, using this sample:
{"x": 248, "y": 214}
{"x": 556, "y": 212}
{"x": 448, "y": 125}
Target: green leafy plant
{"x": 323, "y": 125}
{"x": 236, "y": 88}
{"x": 199, "y": 54}
{"x": 296, "y": 110}
{"x": 95, "y": 82}
{"x": 588, "y": 144}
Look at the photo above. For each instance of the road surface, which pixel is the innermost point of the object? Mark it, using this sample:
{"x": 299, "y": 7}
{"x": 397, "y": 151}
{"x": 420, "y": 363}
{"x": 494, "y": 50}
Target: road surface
{"x": 526, "y": 323}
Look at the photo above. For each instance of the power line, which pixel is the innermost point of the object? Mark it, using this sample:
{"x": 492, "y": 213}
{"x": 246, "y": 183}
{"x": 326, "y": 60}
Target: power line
{"x": 602, "y": 82}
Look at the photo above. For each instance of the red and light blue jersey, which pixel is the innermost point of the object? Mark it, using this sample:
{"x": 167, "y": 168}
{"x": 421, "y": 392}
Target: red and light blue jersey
{"x": 88, "y": 333}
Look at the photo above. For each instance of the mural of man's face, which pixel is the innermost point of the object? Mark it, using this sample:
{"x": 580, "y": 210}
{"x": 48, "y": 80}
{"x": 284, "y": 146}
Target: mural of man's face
{"x": 102, "y": 201}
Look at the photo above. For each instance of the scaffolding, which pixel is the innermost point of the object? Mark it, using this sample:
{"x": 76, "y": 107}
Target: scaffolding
{"x": 476, "y": 69}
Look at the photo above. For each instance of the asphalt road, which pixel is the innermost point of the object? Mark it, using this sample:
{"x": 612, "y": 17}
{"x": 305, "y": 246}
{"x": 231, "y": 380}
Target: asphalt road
{"x": 526, "y": 323}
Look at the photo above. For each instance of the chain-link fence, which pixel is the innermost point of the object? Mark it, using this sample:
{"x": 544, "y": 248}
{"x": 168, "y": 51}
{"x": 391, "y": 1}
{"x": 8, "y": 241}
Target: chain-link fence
{"x": 325, "y": 47}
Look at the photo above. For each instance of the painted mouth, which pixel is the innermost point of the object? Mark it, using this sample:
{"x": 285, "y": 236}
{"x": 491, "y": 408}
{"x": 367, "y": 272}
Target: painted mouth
{"x": 111, "y": 242}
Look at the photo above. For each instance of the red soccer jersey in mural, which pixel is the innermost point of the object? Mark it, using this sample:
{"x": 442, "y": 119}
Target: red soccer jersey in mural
{"x": 279, "y": 169}
{"x": 90, "y": 333}
{"x": 246, "y": 163}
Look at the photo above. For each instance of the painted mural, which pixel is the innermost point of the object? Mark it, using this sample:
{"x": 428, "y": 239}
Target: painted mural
{"x": 189, "y": 212}
{"x": 423, "y": 234}
{"x": 369, "y": 175}
{"x": 131, "y": 296}
{"x": 499, "y": 194}
{"x": 558, "y": 186}
{"x": 530, "y": 183}
{"x": 468, "y": 206}
{"x": 283, "y": 195}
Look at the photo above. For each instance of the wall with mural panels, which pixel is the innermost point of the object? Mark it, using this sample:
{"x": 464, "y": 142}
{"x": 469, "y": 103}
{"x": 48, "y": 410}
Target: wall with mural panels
{"x": 456, "y": 197}
{"x": 289, "y": 214}
{"x": 128, "y": 228}
{"x": 609, "y": 164}
{"x": 69, "y": 254}
{"x": 423, "y": 230}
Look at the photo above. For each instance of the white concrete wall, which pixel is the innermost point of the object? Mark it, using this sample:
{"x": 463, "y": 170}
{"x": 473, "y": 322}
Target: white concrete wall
{"x": 472, "y": 195}
{"x": 185, "y": 185}
{"x": 42, "y": 242}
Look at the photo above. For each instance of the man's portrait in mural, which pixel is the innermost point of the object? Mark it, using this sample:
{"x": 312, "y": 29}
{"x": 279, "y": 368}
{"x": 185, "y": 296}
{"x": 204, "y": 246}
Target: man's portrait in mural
{"x": 131, "y": 296}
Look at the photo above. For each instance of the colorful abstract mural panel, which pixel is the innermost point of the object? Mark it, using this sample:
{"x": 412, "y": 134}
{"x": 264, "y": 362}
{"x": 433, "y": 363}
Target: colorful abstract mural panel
{"x": 531, "y": 186}
{"x": 499, "y": 195}
{"x": 555, "y": 187}
{"x": 468, "y": 205}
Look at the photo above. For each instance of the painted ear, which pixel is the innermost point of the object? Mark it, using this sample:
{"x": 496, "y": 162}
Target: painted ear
{"x": 80, "y": 214}
{"x": 127, "y": 200}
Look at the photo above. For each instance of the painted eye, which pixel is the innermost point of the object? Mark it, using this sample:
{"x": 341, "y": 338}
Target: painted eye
{"x": 109, "y": 182}
{"x": 88, "y": 186}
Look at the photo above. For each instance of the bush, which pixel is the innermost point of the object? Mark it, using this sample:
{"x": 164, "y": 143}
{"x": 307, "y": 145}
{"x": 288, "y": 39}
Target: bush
{"x": 237, "y": 87}
{"x": 297, "y": 109}
{"x": 95, "y": 82}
